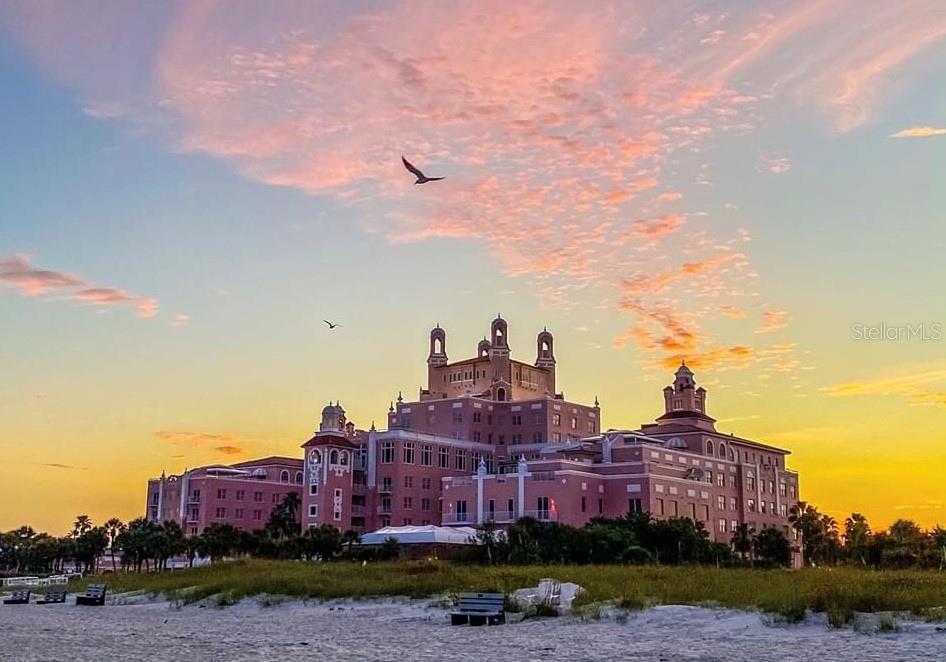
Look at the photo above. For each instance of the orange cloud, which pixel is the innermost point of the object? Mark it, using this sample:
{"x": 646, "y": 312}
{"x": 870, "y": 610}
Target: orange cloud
{"x": 926, "y": 387}
{"x": 772, "y": 320}
{"x": 919, "y": 132}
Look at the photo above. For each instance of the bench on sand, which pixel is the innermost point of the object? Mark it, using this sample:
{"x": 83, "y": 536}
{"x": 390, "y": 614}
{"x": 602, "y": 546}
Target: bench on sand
{"x": 18, "y": 598}
{"x": 94, "y": 595}
{"x": 479, "y": 609}
{"x": 53, "y": 598}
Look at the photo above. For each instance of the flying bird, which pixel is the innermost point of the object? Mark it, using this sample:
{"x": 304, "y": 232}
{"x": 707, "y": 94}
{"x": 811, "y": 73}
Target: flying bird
{"x": 421, "y": 177}
{"x": 330, "y": 324}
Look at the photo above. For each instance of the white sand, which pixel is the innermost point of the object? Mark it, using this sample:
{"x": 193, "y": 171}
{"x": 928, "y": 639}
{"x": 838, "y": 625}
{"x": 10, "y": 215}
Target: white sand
{"x": 404, "y": 630}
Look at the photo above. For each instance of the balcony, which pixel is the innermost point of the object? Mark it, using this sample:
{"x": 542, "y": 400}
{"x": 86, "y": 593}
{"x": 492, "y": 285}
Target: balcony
{"x": 384, "y": 510}
{"x": 358, "y": 511}
{"x": 359, "y": 488}
{"x": 500, "y": 517}
{"x": 542, "y": 515}
{"x": 457, "y": 518}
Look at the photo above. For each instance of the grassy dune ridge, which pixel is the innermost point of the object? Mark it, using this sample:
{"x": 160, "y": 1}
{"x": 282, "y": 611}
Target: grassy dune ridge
{"x": 838, "y": 591}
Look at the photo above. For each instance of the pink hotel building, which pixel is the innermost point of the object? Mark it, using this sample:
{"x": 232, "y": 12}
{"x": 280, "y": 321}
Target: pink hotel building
{"x": 490, "y": 440}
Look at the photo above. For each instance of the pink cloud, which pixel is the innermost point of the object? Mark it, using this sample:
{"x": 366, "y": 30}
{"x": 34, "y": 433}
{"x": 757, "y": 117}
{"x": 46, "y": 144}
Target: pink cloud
{"x": 17, "y": 271}
{"x": 553, "y": 122}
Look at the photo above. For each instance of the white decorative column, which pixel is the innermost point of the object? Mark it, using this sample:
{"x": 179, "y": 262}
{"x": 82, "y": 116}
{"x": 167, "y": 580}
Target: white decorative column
{"x": 480, "y": 477}
{"x": 521, "y": 469}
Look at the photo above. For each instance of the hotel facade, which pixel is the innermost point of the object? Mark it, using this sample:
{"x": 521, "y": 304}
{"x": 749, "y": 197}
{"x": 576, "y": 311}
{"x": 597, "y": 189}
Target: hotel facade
{"x": 491, "y": 440}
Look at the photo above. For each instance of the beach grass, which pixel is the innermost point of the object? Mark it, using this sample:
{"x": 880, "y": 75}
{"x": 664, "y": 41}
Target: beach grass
{"x": 839, "y": 592}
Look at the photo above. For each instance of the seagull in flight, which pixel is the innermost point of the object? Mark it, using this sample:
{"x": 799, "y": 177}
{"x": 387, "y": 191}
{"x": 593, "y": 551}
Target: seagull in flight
{"x": 330, "y": 324}
{"x": 421, "y": 177}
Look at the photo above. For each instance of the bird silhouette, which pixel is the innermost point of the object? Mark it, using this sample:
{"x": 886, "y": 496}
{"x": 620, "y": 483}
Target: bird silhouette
{"x": 421, "y": 177}
{"x": 330, "y": 324}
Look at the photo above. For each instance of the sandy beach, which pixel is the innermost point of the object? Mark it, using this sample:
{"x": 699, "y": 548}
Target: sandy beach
{"x": 414, "y": 630}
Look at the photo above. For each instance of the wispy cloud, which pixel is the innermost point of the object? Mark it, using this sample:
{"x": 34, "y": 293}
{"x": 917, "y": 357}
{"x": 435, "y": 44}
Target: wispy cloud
{"x": 18, "y": 272}
{"x": 223, "y": 443}
{"x": 517, "y": 103}
{"x": 772, "y": 320}
{"x": 923, "y": 388}
{"x": 919, "y": 132}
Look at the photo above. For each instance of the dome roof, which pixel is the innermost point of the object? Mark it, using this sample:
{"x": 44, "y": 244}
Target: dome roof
{"x": 333, "y": 409}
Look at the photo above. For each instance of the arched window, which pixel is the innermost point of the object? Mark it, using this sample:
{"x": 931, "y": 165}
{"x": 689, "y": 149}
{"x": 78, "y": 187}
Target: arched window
{"x": 315, "y": 457}
{"x": 284, "y": 476}
{"x": 722, "y": 449}
{"x": 501, "y": 394}
{"x": 709, "y": 447}
{"x": 333, "y": 457}
{"x": 344, "y": 458}
{"x": 438, "y": 346}
{"x": 299, "y": 478}
{"x": 732, "y": 454}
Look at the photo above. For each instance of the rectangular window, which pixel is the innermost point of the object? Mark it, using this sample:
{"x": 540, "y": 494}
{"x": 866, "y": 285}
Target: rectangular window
{"x": 556, "y": 419}
{"x": 517, "y": 419}
{"x": 510, "y": 507}
{"x": 537, "y": 437}
{"x": 257, "y": 515}
{"x": 660, "y": 506}
{"x": 750, "y": 503}
{"x": 258, "y": 497}
{"x": 314, "y": 489}
{"x": 425, "y": 504}
{"x": 460, "y": 460}
{"x": 461, "y": 510}
{"x": 704, "y": 510}
{"x": 426, "y": 455}
{"x": 750, "y": 483}
{"x": 408, "y": 503}
{"x": 721, "y": 526}
{"x": 674, "y": 509}
{"x": 239, "y": 495}
{"x": 387, "y": 452}
{"x": 584, "y": 505}
{"x": 275, "y": 497}
{"x": 443, "y": 457}
{"x": 721, "y": 502}
{"x": 720, "y": 479}
{"x": 733, "y": 525}
{"x": 781, "y": 489}
{"x": 458, "y": 417}
{"x": 634, "y": 506}
{"x": 221, "y": 494}
{"x": 573, "y": 423}
{"x": 220, "y": 513}
{"x": 762, "y": 507}
{"x": 542, "y": 508}
{"x": 386, "y": 484}
{"x": 425, "y": 483}
{"x": 408, "y": 481}
{"x": 313, "y": 510}
{"x": 491, "y": 508}
{"x": 591, "y": 427}
{"x": 239, "y": 513}
{"x": 600, "y": 506}
{"x": 732, "y": 503}
{"x": 408, "y": 452}
{"x": 732, "y": 480}
{"x": 477, "y": 417}
{"x": 783, "y": 510}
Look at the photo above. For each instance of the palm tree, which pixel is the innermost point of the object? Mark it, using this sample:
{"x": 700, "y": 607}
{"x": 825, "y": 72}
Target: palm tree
{"x": 857, "y": 536}
{"x": 83, "y": 524}
{"x": 113, "y": 528}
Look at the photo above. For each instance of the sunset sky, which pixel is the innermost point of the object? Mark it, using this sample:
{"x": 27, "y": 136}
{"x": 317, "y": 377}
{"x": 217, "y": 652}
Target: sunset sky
{"x": 188, "y": 189}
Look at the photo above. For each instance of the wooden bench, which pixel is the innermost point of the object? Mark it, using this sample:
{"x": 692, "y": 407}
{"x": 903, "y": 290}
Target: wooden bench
{"x": 18, "y": 598}
{"x": 479, "y": 609}
{"x": 53, "y": 598}
{"x": 94, "y": 595}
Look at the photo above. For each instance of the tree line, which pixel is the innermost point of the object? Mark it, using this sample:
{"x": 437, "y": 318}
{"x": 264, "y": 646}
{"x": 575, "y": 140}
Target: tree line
{"x": 902, "y": 545}
{"x": 637, "y": 538}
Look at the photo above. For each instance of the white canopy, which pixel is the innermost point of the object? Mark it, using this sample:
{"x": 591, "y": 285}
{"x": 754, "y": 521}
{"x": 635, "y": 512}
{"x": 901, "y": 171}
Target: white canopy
{"x": 455, "y": 535}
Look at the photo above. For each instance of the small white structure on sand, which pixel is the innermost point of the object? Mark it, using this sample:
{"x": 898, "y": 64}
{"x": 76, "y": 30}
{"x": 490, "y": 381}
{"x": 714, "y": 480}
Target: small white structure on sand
{"x": 430, "y": 534}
